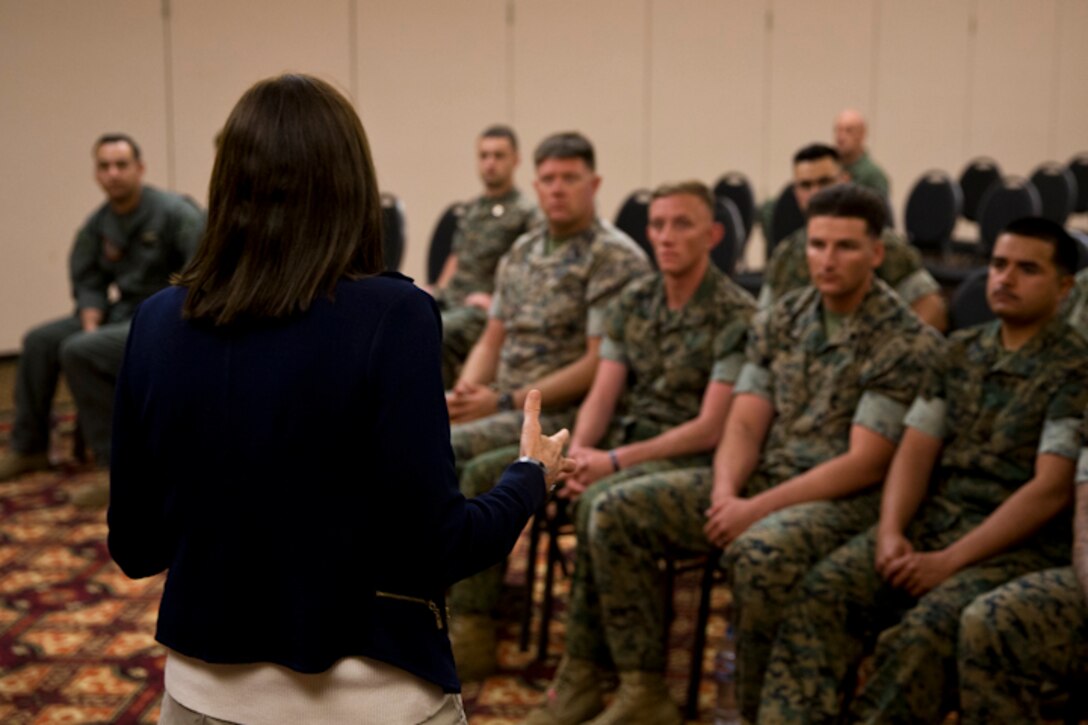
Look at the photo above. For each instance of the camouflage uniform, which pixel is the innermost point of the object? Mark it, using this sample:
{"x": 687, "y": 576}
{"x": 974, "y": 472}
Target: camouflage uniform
{"x": 902, "y": 268}
{"x": 671, "y": 357}
{"x": 1025, "y": 640}
{"x": 549, "y": 301}
{"x": 998, "y": 410}
{"x": 1076, "y": 305}
{"x": 486, "y": 229}
{"x": 866, "y": 374}
{"x": 1018, "y": 644}
{"x": 864, "y": 172}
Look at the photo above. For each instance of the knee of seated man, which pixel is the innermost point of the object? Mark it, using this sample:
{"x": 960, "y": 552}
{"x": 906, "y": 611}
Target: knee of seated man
{"x": 75, "y": 350}
{"x": 978, "y": 629}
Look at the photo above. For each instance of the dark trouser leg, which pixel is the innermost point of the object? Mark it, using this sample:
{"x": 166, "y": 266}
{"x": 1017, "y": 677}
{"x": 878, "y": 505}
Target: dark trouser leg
{"x": 91, "y": 361}
{"x": 36, "y": 383}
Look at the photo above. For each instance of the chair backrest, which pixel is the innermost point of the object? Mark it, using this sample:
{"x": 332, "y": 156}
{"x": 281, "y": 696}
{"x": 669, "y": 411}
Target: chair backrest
{"x": 632, "y": 218}
{"x": 725, "y": 254}
{"x": 786, "y": 218}
{"x": 735, "y": 186}
{"x": 1082, "y": 248}
{"x": 969, "y": 306}
{"x": 1078, "y": 166}
{"x": 1011, "y": 198}
{"x": 392, "y": 231}
{"x": 976, "y": 179}
{"x": 933, "y": 206}
{"x": 442, "y": 240}
{"x": 1057, "y": 189}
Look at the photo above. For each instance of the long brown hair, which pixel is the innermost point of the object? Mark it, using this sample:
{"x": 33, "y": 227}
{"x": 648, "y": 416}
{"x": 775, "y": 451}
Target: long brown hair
{"x": 293, "y": 205}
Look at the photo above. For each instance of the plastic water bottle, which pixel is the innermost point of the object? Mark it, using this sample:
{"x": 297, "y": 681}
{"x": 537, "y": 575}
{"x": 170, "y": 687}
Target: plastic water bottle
{"x": 725, "y": 675}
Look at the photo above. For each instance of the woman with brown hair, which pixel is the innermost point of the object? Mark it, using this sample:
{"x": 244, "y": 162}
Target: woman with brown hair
{"x": 281, "y": 445}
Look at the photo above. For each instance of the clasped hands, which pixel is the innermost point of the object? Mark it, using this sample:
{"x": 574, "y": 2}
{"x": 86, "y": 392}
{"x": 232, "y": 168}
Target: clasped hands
{"x": 471, "y": 401}
{"x": 900, "y": 565}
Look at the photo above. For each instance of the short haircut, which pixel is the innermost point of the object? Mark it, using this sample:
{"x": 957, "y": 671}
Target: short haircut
{"x": 117, "y": 138}
{"x": 293, "y": 205}
{"x": 815, "y": 152}
{"x": 1066, "y": 249}
{"x": 691, "y": 187}
{"x": 850, "y": 200}
{"x": 501, "y": 131}
{"x": 566, "y": 145}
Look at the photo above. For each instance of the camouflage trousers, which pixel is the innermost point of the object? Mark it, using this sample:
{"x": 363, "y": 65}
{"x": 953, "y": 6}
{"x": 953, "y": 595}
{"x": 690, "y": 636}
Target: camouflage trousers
{"x": 842, "y": 604}
{"x": 482, "y": 449}
{"x": 617, "y": 612}
{"x": 767, "y": 563}
{"x": 461, "y": 328}
{"x": 1020, "y": 643}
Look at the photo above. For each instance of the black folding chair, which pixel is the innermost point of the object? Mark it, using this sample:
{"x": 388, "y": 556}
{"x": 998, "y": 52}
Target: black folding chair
{"x": 392, "y": 231}
{"x": 442, "y": 240}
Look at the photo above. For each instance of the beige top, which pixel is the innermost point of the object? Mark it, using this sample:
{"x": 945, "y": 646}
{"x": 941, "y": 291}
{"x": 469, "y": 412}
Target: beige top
{"x": 354, "y": 690}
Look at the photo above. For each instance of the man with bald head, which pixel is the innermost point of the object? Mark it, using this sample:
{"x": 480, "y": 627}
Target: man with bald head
{"x": 850, "y": 132}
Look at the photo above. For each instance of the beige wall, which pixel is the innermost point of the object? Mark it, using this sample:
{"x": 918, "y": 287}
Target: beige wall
{"x": 665, "y": 88}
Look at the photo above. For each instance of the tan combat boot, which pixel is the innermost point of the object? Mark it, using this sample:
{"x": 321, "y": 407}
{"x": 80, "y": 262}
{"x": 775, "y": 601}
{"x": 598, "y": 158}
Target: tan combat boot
{"x": 573, "y": 697}
{"x": 642, "y": 699}
{"x": 14, "y": 464}
{"x": 474, "y": 642}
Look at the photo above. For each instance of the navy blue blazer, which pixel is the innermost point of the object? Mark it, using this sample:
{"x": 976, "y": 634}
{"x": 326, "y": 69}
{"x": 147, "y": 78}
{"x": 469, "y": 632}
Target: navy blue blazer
{"x": 286, "y": 471}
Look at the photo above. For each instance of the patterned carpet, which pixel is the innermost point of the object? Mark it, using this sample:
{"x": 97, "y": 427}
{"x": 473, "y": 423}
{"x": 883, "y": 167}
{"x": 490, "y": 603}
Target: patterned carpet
{"x": 76, "y": 636}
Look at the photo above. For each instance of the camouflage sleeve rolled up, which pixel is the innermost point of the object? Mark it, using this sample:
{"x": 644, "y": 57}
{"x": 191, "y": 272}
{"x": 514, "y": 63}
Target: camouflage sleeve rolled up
{"x": 903, "y": 270}
{"x": 1061, "y": 434}
{"x": 1076, "y": 304}
{"x": 614, "y": 339}
{"x": 755, "y": 374}
{"x": 729, "y": 351}
{"x": 618, "y": 260}
{"x": 498, "y": 308}
{"x": 786, "y": 270}
{"x": 929, "y": 411}
{"x": 891, "y": 379}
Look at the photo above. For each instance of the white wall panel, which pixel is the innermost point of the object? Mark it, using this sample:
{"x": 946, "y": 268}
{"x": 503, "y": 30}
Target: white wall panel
{"x": 822, "y": 60}
{"x": 71, "y": 71}
{"x": 921, "y": 110}
{"x": 222, "y": 47}
{"x": 581, "y": 66}
{"x": 1013, "y": 83}
{"x": 707, "y": 112}
{"x": 432, "y": 75}
{"x": 1070, "y": 134}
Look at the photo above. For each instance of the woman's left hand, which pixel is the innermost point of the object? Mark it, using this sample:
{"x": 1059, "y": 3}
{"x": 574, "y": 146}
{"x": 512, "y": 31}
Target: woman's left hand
{"x": 546, "y": 449}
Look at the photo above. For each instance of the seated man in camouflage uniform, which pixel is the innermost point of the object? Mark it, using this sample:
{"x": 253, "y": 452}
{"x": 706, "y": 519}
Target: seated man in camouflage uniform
{"x": 1029, "y": 638}
{"x": 816, "y": 167}
{"x": 970, "y": 501}
{"x": 486, "y": 229}
{"x": 815, "y": 416}
{"x": 544, "y": 331}
{"x": 672, "y": 349}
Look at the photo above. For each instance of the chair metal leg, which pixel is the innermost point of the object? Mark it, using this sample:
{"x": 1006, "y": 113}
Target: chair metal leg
{"x": 554, "y": 558}
{"x": 530, "y": 579}
{"x": 698, "y": 645}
